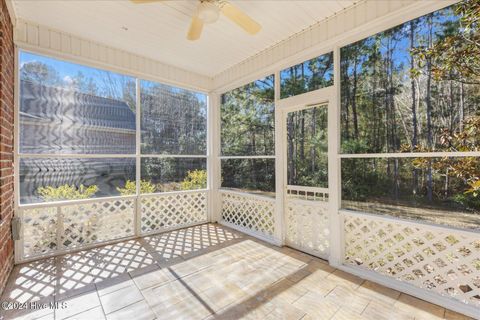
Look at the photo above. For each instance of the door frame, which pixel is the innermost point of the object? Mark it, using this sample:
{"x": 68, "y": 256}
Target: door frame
{"x": 282, "y": 108}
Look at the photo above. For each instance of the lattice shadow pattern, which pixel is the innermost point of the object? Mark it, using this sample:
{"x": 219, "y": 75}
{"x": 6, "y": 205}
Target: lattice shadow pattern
{"x": 186, "y": 241}
{"x": 437, "y": 259}
{"x": 30, "y": 282}
{"x": 71, "y": 274}
{"x": 80, "y": 269}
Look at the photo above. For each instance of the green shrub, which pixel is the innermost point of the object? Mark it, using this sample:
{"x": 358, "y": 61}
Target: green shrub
{"x": 355, "y": 146}
{"x": 131, "y": 187}
{"x": 196, "y": 179}
{"x": 66, "y": 192}
{"x": 467, "y": 201}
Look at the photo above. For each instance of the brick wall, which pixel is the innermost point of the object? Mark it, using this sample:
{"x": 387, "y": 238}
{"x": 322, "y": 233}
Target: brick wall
{"x": 6, "y": 142}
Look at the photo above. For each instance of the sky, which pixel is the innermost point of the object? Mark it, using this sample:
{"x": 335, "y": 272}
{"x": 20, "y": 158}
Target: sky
{"x": 67, "y": 70}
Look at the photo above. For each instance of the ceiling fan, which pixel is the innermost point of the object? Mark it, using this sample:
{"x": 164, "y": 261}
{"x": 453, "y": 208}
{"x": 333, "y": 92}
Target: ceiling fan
{"x": 208, "y": 11}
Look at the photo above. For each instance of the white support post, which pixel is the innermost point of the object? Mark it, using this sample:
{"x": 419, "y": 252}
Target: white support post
{"x": 334, "y": 173}
{"x": 60, "y": 229}
{"x": 138, "y": 208}
{"x": 213, "y": 157}
{"x": 18, "y": 249}
{"x": 279, "y": 233}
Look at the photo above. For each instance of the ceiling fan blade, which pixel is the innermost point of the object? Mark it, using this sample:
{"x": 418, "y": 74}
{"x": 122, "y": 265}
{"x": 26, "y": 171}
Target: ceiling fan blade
{"x": 195, "y": 29}
{"x": 240, "y": 18}
{"x": 145, "y": 1}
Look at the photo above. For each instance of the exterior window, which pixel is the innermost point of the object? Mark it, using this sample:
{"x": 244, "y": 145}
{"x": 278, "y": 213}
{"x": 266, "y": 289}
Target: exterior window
{"x": 407, "y": 90}
{"x": 404, "y": 90}
{"x": 255, "y": 175}
{"x": 173, "y": 124}
{"x": 59, "y": 179}
{"x": 78, "y": 133}
{"x": 307, "y": 147}
{"x": 173, "y": 174}
{"x": 247, "y": 137}
{"x": 307, "y": 76}
{"x": 247, "y": 115}
{"x": 174, "y": 121}
{"x": 432, "y": 189}
{"x": 67, "y": 113}
{"x": 67, "y": 108}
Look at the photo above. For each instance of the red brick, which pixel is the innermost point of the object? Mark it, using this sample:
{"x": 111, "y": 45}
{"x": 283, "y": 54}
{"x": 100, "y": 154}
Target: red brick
{"x": 6, "y": 143}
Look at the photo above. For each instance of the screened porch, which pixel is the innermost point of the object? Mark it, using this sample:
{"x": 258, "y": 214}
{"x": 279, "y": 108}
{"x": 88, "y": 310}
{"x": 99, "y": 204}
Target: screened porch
{"x": 319, "y": 162}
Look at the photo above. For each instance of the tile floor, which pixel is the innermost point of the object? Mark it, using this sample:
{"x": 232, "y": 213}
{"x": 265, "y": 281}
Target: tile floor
{"x": 203, "y": 272}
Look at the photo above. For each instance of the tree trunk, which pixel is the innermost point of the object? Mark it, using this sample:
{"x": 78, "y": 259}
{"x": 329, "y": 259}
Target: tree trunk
{"x": 290, "y": 157}
{"x": 346, "y": 94}
{"x": 414, "y": 105}
{"x": 393, "y": 122}
{"x": 302, "y": 136}
{"x": 354, "y": 98}
{"x": 462, "y": 107}
{"x": 314, "y": 132}
{"x": 376, "y": 111}
{"x": 446, "y": 184}
{"x": 428, "y": 102}
{"x": 414, "y": 93}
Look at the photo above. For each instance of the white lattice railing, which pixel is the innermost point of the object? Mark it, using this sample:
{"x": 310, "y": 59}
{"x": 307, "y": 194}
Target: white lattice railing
{"x": 161, "y": 212}
{"x": 442, "y": 260}
{"x": 48, "y": 228}
{"x": 307, "y": 220}
{"x": 249, "y": 212}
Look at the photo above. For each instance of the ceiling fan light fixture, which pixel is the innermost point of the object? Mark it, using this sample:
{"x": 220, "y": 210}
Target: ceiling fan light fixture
{"x": 208, "y": 12}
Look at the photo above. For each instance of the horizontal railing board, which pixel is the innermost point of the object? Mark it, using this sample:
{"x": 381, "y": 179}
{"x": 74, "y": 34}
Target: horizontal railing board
{"x": 426, "y": 224}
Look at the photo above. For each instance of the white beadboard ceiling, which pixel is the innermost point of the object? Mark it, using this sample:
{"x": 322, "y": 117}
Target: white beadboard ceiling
{"x": 157, "y": 30}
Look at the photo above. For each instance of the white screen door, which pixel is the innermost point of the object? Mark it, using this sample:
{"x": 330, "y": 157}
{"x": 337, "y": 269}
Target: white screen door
{"x": 306, "y": 190}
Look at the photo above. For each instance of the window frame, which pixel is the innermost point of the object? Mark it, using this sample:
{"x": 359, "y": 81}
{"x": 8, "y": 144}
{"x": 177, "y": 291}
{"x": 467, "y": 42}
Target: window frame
{"x": 350, "y": 40}
{"x": 222, "y": 157}
{"x": 138, "y": 156}
{"x": 328, "y": 52}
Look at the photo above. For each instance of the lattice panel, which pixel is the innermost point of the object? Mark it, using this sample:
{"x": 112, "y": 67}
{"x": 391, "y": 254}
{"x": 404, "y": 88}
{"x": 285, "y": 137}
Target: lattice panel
{"x": 54, "y": 228}
{"x": 164, "y": 211}
{"x": 97, "y": 221}
{"x": 249, "y": 212}
{"x": 308, "y": 226}
{"x": 39, "y": 231}
{"x": 442, "y": 260}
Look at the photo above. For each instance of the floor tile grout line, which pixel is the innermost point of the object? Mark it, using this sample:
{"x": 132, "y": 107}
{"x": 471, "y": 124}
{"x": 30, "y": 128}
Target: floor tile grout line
{"x": 99, "y": 297}
{"x": 101, "y": 305}
{"x": 366, "y": 306}
{"x": 126, "y": 306}
{"x": 113, "y": 284}
{"x": 143, "y": 295}
{"x": 146, "y": 301}
{"x": 76, "y": 314}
